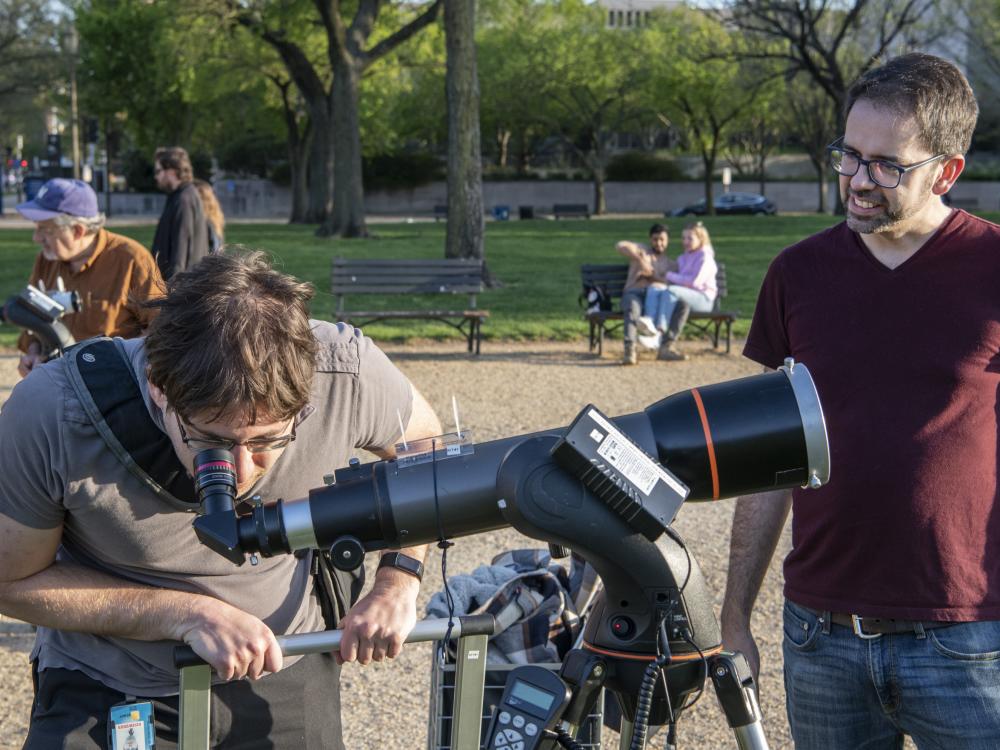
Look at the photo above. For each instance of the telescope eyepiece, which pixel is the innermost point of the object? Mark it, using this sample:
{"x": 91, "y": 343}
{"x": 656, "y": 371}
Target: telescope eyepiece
{"x": 215, "y": 480}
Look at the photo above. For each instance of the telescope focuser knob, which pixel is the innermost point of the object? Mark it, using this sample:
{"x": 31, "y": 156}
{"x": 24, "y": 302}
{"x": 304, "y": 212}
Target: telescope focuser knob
{"x": 347, "y": 553}
{"x": 557, "y": 551}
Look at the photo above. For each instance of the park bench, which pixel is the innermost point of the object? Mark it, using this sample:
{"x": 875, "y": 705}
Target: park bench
{"x": 354, "y": 276}
{"x": 564, "y": 210}
{"x": 440, "y": 212}
{"x": 612, "y": 277}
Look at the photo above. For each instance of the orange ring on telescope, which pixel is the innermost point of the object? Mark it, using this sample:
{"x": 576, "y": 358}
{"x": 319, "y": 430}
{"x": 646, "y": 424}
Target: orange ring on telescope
{"x": 713, "y": 466}
{"x": 639, "y": 657}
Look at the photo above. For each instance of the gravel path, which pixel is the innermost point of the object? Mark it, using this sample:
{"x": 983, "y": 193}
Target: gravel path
{"x": 508, "y": 390}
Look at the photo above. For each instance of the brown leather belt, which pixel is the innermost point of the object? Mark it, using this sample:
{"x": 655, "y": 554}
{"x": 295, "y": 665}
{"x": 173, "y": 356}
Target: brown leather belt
{"x": 873, "y": 627}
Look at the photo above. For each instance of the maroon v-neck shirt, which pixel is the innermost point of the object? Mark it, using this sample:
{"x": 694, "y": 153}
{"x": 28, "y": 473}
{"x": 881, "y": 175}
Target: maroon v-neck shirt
{"x": 907, "y": 365}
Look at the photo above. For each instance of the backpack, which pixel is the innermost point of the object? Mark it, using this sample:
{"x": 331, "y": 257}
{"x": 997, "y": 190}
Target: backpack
{"x": 596, "y": 298}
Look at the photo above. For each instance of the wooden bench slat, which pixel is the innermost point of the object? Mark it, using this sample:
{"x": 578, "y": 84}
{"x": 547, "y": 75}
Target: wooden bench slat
{"x": 440, "y": 263}
{"x": 348, "y": 314}
{"x": 403, "y": 289}
{"x": 450, "y": 276}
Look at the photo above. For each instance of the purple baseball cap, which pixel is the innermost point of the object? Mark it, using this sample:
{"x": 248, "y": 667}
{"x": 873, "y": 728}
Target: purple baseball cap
{"x": 61, "y": 196}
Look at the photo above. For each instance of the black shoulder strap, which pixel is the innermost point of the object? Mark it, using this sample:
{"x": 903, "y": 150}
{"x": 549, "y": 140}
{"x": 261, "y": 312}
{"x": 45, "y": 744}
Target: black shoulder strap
{"x": 107, "y": 388}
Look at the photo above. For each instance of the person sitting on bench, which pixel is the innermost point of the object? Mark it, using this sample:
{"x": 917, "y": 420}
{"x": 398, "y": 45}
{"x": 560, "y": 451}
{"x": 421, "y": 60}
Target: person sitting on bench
{"x": 691, "y": 287}
{"x": 646, "y": 265}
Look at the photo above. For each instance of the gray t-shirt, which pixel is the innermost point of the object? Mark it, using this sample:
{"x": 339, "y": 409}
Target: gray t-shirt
{"x": 55, "y": 469}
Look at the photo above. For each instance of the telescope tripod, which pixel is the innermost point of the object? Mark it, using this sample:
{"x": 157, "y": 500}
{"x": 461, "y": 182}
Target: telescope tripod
{"x": 586, "y": 672}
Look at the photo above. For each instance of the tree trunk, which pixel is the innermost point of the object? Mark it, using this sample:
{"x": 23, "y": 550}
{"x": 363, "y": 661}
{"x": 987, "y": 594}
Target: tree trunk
{"x": 465, "y": 165}
{"x": 821, "y": 182}
{"x": 298, "y": 160}
{"x": 600, "y": 197}
{"x": 503, "y": 146}
{"x": 708, "y": 160}
{"x": 761, "y": 166}
{"x": 347, "y": 218}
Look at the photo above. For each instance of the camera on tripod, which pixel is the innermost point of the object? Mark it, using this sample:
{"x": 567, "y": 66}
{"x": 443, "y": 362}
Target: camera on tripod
{"x": 607, "y": 489}
{"x": 40, "y": 311}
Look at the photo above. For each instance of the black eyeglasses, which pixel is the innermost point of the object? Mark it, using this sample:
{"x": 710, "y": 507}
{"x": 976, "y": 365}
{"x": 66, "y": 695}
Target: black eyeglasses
{"x": 883, "y": 173}
{"x": 254, "y": 445}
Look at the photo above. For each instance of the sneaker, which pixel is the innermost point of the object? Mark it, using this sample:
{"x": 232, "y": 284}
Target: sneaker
{"x": 631, "y": 356}
{"x": 668, "y": 353}
{"x": 646, "y": 326}
{"x": 648, "y": 342}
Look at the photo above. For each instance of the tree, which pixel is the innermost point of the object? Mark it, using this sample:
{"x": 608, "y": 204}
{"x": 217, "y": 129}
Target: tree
{"x": 703, "y": 93}
{"x": 333, "y": 106}
{"x": 589, "y": 80}
{"x": 811, "y": 120}
{"x": 829, "y": 43}
{"x": 29, "y": 65}
{"x": 465, "y": 171}
{"x": 757, "y": 133}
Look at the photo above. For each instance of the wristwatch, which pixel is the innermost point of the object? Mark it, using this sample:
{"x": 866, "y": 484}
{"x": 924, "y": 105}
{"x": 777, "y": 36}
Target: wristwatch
{"x": 402, "y": 562}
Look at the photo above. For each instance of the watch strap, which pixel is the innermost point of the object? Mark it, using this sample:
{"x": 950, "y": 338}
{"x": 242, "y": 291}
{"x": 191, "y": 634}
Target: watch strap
{"x": 404, "y": 563}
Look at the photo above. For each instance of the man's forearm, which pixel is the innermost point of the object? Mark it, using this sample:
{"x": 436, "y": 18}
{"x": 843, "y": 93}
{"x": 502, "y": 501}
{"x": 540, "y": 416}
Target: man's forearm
{"x": 757, "y": 524}
{"x": 71, "y": 597}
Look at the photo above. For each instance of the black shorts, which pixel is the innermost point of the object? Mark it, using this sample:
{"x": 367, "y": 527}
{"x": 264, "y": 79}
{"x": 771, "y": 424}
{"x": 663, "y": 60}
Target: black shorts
{"x": 299, "y": 707}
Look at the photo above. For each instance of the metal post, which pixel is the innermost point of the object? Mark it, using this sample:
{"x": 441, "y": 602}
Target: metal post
{"x": 626, "y": 734}
{"x": 195, "y": 707}
{"x": 470, "y": 682}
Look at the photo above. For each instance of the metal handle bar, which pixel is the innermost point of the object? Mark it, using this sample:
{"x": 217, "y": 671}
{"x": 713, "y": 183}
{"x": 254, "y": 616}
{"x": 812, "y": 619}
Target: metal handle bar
{"x": 329, "y": 640}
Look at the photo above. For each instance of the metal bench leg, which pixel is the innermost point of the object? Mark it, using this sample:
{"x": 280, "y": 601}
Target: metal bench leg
{"x": 470, "y": 337}
{"x": 195, "y": 708}
{"x": 729, "y": 338}
{"x": 715, "y": 339}
{"x": 479, "y": 335}
{"x": 600, "y": 339}
{"x": 470, "y": 680}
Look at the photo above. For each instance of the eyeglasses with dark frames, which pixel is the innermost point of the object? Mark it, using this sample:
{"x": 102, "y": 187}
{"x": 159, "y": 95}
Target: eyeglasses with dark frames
{"x": 254, "y": 445}
{"x": 883, "y": 173}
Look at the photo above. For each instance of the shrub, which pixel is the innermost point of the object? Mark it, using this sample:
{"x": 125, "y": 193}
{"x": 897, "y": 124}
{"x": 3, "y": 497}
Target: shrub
{"x": 400, "y": 171}
{"x": 641, "y": 166}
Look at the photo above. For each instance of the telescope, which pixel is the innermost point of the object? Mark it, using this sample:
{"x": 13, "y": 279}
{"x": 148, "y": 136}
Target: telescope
{"x": 40, "y": 312}
{"x": 605, "y": 488}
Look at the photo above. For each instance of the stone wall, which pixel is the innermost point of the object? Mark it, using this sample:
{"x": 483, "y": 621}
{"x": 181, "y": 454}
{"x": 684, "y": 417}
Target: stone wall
{"x": 259, "y": 199}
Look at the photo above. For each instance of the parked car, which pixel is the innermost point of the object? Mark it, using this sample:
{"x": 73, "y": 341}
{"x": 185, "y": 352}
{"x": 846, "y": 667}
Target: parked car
{"x": 731, "y": 203}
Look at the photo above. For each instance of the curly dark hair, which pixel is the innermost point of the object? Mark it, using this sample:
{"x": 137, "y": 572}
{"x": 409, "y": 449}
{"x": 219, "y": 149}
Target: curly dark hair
{"x": 233, "y": 337}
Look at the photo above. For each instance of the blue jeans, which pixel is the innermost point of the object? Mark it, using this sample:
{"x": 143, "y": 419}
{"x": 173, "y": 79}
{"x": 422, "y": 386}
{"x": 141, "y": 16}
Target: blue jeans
{"x": 660, "y": 302}
{"x": 844, "y": 692}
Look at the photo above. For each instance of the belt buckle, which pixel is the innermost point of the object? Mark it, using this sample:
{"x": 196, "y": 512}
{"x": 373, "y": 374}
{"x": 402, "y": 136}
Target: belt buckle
{"x": 859, "y": 630}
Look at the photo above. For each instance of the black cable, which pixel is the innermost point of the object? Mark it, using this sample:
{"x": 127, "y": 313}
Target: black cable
{"x": 443, "y": 544}
{"x": 564, "y": 739}
{"x": 704, "y": 676}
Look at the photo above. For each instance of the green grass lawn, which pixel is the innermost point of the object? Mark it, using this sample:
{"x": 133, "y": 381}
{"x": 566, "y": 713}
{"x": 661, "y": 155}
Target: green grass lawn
{"x": 537, "y": 261}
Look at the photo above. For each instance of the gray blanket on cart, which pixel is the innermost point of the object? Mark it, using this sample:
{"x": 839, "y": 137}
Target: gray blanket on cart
{"x": 539, "y": 604}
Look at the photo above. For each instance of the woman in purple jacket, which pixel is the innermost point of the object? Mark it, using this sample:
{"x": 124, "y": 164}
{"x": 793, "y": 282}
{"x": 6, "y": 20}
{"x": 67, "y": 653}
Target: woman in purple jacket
{"x": 690, "y": 288}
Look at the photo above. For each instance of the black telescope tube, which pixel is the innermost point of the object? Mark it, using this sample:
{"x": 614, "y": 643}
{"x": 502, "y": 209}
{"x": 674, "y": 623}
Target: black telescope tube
{"x": 748, "y": 435}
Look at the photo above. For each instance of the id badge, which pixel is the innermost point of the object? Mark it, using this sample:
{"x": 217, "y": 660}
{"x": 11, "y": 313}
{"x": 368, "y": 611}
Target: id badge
{"x": 130, "y": 727}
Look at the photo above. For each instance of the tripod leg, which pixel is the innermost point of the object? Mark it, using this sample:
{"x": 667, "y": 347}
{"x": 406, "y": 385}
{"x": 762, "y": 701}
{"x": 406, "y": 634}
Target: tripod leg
{"x": 734, "y": 686}
{"x": 626, "y": 734}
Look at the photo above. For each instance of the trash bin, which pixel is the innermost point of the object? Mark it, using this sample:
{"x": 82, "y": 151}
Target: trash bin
{"x": 32, "y": 182}
{"x": 501, "y": 213}
{"x": 525, "y": 212}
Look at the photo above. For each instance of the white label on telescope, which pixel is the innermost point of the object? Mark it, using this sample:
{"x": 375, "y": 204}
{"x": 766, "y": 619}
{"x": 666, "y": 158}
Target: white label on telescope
{"x": 636, "y": 466}
{"x": 596, "y": 435}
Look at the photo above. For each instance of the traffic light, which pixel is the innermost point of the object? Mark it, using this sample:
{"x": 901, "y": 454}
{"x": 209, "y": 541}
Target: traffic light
{"x": 24, "y": 163}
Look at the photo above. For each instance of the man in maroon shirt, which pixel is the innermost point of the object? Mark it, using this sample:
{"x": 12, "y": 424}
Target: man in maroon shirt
{"x": 892, "y": 588}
